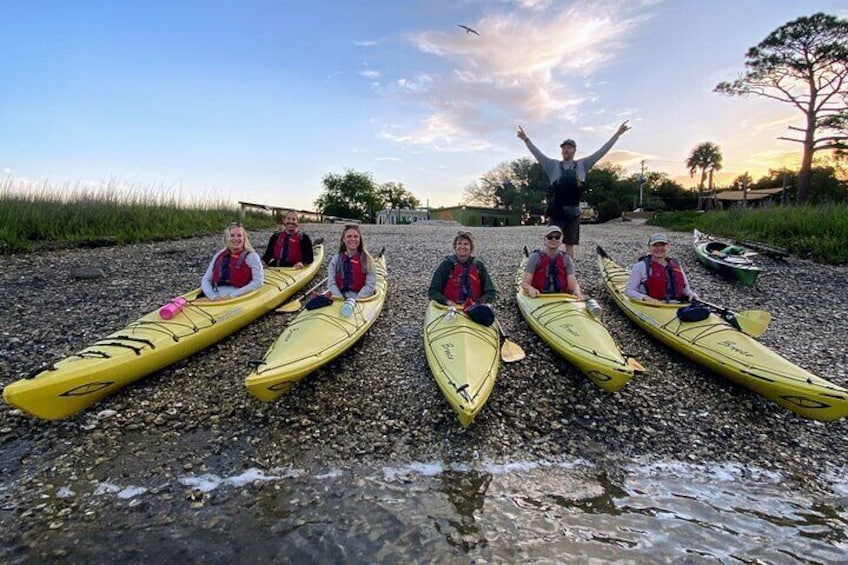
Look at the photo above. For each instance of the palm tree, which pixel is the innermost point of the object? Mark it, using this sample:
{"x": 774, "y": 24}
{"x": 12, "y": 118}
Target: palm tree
{"x": 706, "y": 157}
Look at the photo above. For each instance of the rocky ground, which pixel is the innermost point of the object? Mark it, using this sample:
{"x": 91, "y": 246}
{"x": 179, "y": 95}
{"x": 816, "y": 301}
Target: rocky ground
{"x": 378, "y": 404}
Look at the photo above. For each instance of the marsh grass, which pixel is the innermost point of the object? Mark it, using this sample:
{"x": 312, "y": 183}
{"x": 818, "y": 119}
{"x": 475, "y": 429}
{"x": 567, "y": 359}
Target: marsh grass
{"x": 816, "y": 232}
{"x": 45, "y": 215}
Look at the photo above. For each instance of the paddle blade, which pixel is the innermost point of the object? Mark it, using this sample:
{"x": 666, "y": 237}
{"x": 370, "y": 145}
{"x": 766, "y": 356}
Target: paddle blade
{"x": 511, "y": 352}
{"x": 289, "y": 307}
{"x": 753, "y": 322}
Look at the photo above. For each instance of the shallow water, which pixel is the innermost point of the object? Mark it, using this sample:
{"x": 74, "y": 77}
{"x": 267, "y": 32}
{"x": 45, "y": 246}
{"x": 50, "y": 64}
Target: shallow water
{"x": 426, "y": 512}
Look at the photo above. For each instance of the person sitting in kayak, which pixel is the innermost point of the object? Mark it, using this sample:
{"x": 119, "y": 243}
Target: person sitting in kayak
{"x": 549, "y": 269}
{"x": 289, "y": 247}
{"x": 658, "y": 278}
{"x": 463, "y": 280}
{"x": 351, "y": 271}
{"x": 234, "y": 270}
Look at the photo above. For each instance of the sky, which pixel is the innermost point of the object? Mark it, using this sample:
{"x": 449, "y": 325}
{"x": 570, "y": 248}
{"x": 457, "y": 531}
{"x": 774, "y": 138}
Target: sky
{"x": 259, "y": 100}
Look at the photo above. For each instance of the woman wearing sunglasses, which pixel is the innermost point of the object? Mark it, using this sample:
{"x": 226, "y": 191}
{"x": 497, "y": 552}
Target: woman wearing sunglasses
{"x": 234, "y": 270}
{"x": 549, "y": 269}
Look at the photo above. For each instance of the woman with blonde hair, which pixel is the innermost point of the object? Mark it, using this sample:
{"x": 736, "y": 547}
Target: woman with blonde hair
{"x": 351, "y": 273}
{"x": 234, "y": 270}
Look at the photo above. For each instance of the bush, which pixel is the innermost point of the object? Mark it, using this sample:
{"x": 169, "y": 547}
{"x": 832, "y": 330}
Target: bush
{"x": 608, "y": 210}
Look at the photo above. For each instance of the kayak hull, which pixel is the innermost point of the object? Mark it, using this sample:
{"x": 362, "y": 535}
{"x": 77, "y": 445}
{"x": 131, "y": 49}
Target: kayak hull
{"x": 564, "y": 323}
{"x": 313, "y": 339}
{"x": 148, "y": 345}
{"x": 464, "y": 358}
{"x": 710, "y": 252}
{"x": 718, "y": 346}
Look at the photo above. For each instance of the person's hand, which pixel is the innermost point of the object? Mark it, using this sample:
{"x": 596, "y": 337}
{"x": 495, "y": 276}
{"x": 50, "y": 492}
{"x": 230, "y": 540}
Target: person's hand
{"x": 298, "y": 265}
{"x": 532, "y": 292}
{"x": 580, "y": 296}
{"x": 521, "y": 135}
{"x": 694, "y": 297}
{"x": 623, "y": 128}
{"x": 651, "y": 300}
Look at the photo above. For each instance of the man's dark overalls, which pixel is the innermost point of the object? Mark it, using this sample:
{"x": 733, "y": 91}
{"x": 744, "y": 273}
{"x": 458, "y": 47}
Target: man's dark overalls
{"x": 565, "y": 192}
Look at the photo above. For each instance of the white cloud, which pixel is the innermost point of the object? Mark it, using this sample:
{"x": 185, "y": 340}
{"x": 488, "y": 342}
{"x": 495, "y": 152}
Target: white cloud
{"x": 371, "y": 74}
{"x": 368, "y": 43}
{"x": 778, "y": 124}
{"x": 625, "y": 158}
{"x": 387, "y": 159}
{"x": 7, "y": 171}
{"x": 534, "y": 4}
{"x": 419, "y": 84}
{"x": 524, "y": 67}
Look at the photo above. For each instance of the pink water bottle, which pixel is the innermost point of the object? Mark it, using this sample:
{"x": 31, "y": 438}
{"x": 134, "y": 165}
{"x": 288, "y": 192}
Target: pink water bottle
{"x": 172, "y": 308}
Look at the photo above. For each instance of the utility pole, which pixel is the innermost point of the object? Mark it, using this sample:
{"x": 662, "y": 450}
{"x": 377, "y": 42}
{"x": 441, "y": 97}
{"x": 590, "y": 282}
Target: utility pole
{"x": 745, "y": 190}
{"x": 641, "y": 183}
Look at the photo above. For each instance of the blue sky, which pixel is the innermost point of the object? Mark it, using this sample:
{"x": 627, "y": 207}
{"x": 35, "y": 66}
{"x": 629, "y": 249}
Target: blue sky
{"x": 258, "y": 100}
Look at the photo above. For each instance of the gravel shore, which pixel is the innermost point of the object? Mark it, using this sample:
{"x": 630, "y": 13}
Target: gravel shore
{"x": 378, "y": 404}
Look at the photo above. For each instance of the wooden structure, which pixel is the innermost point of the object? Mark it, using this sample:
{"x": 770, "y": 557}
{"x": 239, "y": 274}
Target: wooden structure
{"x": 304, "y": 215}
{"x": 742, "y": 197}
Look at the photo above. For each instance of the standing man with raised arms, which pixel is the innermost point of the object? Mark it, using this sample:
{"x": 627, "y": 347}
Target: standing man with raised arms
{"x": 567, "y": 177}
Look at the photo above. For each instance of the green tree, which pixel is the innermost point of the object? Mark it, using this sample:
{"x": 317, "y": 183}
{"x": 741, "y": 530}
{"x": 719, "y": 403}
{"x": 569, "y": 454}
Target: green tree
{"x": 803, "y": 63}
{"x": 706, "y": 157}
{"x": 395, "y": 196}
{"x": 742, "y": 181}
{"x": 825, "y": 184}
{"x": 664, "y": 194}
{"x": 352, "y": 195}
{"x": 518, "y": 185}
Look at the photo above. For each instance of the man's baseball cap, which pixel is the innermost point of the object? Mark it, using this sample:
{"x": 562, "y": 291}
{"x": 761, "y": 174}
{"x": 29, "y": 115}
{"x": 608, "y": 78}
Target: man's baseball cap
{"x": 658, "y": 238}
{"x": 570, "y": 142}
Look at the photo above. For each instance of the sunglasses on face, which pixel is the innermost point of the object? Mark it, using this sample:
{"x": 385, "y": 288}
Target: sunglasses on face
{"x": 235, "y": 225}
{"x": 551, "y": 236}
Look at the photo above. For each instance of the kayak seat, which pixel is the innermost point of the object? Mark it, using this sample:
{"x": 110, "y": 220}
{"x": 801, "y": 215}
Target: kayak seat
{"x": 715, "y": 248}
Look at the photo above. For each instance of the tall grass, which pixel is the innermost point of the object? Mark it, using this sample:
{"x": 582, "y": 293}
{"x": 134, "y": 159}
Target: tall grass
{"x": 816, "y": 232}
{"x": 48, "y": 215}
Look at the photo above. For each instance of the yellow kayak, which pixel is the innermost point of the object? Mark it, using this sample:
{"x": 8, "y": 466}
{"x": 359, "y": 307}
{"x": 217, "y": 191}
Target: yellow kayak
{"x": 565, "y": 324}
{"x": 464, "y": 357}
{"x": 717, "y": 345}
{"x": 314, "y": 338}
{"x": 149, "y": 344}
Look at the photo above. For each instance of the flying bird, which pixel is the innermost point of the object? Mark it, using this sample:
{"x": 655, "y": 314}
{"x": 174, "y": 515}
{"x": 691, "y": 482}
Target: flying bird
{"x": 468, "y": 29}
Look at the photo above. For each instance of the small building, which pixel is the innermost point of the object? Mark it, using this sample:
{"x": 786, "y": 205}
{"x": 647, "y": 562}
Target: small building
{"x": 397, "y": 216}
{"x": 477, "y": 216}
{"x": 747, "y": 197}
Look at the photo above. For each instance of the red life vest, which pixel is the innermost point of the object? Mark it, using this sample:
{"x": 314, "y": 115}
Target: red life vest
{"x": 231, "y": 269}
{"x": 664, "y": 283}
{"x": 464, "y": 282}
{"x": 287, "y": 248}
{"x": 350, "y": 272}
{"x": 550, "y": 276}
